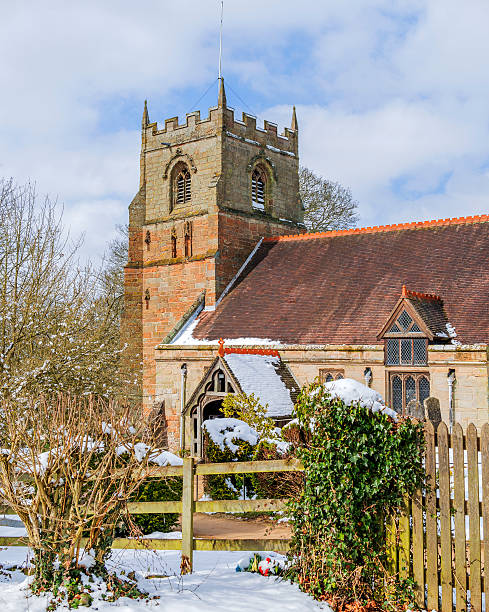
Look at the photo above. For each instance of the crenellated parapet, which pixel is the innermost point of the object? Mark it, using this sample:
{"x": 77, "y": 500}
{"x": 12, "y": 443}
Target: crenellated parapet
{"x": 220, "y": 120}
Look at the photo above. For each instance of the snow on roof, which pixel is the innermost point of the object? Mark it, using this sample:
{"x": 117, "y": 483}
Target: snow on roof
{"x": 223, "y": 431}
{"x": 258, "y": 374}
{"x": 353, "y": 392}
{"x": 185, "y": 335}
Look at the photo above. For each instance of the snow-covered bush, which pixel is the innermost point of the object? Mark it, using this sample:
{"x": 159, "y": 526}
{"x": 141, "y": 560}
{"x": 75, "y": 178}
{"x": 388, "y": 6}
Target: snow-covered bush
{"x": 227, "y": 440}
{"x": 68, "y": 469}
{"x": 360, "y": 460}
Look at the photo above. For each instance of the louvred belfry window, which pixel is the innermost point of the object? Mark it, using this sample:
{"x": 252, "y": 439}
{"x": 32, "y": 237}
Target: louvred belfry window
{"x": 258, "y": 182}
{"x": 183, "y": 187}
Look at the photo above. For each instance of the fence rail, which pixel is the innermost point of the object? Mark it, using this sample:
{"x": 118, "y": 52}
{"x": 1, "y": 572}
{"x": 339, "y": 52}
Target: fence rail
{"x": 187, "y": 507}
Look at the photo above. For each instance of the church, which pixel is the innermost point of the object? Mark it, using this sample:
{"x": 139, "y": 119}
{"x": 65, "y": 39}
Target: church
{"x": 226, "y": 292}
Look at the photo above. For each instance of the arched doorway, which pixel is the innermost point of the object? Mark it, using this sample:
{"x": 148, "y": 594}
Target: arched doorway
{"x": 207, "y": 406}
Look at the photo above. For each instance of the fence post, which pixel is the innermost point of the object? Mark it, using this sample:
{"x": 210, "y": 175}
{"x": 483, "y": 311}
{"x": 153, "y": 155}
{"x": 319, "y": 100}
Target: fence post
{"x": 187, "y": 516}
{"x": 391, "y": 545}
{"x": 404, "y": 540}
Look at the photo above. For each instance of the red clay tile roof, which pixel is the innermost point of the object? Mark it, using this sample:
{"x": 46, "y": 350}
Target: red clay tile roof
{"x": 340, "y": 287}
{"x": 432, "y": 313}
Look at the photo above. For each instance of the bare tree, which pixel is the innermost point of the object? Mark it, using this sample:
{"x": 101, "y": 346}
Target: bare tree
{"x": 68, "y": 470}
{"x": 58, "y": 330}
{"x": 328, "y": 205}
{"x": 112, "y": 272}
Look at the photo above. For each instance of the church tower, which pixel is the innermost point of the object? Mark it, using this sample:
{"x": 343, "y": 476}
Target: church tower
{"x": 209, "y": 190}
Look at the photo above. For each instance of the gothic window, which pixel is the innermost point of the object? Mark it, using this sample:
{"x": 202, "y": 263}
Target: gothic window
{"x": 406, "y": 387}
{"x": 182, "y": 185}
{"x": 258, "y": 188}
{"x": 330, "y": 375}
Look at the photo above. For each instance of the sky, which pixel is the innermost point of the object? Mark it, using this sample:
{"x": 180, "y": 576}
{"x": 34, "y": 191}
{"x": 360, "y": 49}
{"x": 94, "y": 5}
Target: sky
{"x": 392, "y": 96}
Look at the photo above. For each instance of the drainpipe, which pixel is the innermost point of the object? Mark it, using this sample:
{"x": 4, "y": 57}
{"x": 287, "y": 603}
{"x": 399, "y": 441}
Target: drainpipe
{"x": 183, "y": 386}
{"x": 451, "y": 412}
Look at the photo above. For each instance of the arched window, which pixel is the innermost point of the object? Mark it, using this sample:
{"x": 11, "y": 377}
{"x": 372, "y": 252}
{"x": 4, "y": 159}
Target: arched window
{"x": 258, "y": 188}
{"x": 182, "y": 184}
{"x": 410, "y": 350}
{"x": 331, "y": 374}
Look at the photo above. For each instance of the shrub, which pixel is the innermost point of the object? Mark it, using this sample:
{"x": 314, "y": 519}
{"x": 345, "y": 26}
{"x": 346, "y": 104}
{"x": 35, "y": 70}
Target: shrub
{"x": 155, "y": 490}
{"x": 227, "y": 440}
{"x": 247, "y": 408}
{"x": 271, "y": 485}
{"x": 359, "y": 464}
{"x": 84, "y": 461}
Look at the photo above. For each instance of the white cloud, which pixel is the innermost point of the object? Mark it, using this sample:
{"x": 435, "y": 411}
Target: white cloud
{"x": 392, "y": 95}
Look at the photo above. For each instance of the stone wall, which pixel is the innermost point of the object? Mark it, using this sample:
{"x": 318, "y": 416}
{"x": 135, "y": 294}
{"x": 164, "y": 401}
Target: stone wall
{"x": 471, "y": 370}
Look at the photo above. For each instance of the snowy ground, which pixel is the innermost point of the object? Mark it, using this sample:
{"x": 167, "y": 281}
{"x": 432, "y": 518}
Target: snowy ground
{"x": 214, "y": 586}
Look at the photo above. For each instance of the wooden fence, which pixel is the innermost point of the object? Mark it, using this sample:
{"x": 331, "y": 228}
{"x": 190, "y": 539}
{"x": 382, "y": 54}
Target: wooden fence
{"x": 188, "y": 507}
{"x": 436, "y": 541}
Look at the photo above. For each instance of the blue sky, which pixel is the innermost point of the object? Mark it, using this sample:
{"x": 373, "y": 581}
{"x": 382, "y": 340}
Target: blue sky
{"x": 392, "y": 96}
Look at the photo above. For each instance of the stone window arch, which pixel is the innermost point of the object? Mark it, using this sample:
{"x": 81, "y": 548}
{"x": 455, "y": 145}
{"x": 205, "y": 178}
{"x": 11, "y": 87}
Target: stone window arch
{"x": 258, "y": 187}
{"x": 261, "y": 185}
{"x": 181, "y": 185}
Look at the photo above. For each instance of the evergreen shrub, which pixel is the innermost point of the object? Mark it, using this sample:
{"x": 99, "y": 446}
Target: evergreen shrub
{"x": 358, "y": 466}
{"x": 275, "y": 485}
{"x": 226, "y": 486}
{"x": 156, "y": 490}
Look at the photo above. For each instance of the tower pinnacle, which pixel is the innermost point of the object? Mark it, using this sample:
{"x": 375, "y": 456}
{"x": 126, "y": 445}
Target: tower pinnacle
{"x": 145, "y": 121}
{"x": 294, "y": 125}
{"x": 221, "y": 102}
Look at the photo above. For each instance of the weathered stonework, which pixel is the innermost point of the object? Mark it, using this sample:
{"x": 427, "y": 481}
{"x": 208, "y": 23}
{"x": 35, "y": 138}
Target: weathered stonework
{"x": 470, "y": 365}
{"x": 177, "y": 251}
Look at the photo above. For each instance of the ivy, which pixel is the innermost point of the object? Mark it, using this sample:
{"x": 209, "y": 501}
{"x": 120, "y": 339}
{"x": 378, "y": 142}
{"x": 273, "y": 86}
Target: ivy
{"x": 358, "y": 468}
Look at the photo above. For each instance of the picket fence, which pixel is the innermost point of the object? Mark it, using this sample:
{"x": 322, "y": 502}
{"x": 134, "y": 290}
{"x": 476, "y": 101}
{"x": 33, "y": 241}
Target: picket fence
{"x": 436, "y": 540}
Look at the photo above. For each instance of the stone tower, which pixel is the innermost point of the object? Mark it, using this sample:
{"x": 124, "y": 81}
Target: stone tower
{"x": 209, "y": 190}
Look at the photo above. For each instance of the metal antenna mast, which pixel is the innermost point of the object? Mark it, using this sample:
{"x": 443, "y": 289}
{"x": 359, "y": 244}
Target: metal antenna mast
{"x": 220, "y": 42}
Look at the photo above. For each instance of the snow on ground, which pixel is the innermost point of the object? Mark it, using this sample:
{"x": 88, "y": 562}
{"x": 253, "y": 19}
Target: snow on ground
{"x": 215, "y": 586}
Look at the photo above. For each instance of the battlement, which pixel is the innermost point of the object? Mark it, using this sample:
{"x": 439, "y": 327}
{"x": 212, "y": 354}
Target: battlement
{"x": 221, "y": 119}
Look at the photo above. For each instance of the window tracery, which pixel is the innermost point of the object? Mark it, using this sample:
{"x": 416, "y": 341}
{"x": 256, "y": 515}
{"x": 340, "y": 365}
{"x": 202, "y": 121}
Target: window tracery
{"x": 258, "y": 188}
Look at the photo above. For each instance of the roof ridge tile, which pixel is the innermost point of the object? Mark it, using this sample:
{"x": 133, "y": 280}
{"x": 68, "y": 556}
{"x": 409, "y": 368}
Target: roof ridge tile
{"x": 249, "y": 351}
{"x": 407, "y": 293}
{"x": 381, "y": 228}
